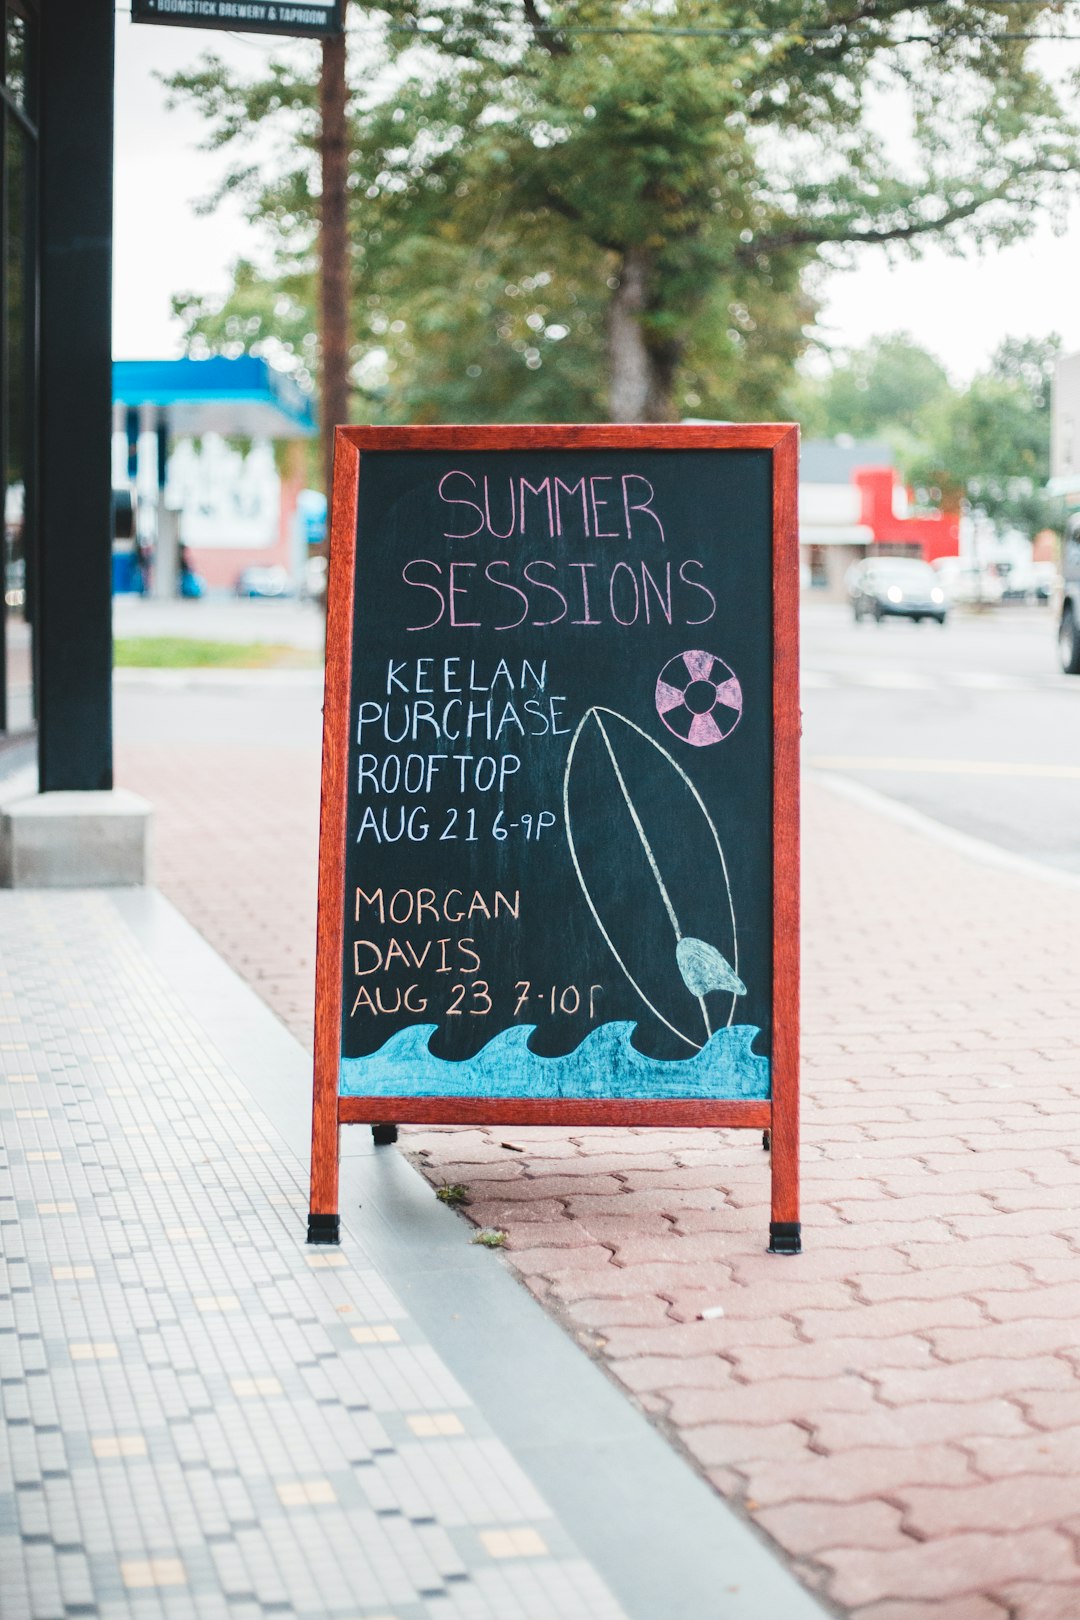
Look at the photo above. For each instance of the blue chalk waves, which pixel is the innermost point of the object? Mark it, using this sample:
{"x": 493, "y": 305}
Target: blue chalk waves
{"x": 606, "y": 1064}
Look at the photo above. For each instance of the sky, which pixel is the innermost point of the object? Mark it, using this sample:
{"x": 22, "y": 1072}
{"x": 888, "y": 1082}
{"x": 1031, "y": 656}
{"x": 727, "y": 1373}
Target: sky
{"x": 959, "y": 308}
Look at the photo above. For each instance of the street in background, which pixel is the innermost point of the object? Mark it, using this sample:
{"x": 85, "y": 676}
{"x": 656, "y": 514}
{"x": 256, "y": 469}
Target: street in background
{"x": 978, "y": 728}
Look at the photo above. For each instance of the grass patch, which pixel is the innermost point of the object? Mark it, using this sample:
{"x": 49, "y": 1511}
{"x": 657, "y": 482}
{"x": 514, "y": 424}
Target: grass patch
{"x": 179, "y": 652}
{"x": 490, "y": 1237}
{"x": 454, "y": 1194}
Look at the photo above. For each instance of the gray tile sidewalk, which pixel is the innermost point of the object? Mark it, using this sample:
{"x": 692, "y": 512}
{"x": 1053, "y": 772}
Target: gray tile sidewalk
{"x": 202, "y": 1416}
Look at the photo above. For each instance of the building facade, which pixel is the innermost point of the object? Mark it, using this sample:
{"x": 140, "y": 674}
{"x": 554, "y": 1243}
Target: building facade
{"x": 56, "y": 101}
{"x": 19, "y": 275}
{"x": 1065, "y": 428}
{"x": 853, "y": 504}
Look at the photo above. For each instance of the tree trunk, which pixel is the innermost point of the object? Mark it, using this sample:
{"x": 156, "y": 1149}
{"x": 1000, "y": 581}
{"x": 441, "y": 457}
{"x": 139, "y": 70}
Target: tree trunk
{"x": 642, "y": 371}
{"x": 334, "y": 247}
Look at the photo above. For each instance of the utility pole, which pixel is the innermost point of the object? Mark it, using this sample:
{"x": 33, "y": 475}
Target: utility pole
{"x": 334, "y": 244}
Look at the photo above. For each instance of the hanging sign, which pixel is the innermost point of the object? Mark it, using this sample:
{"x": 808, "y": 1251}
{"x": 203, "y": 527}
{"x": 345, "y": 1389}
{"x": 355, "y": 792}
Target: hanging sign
{"x": 310, "y": 17}
{"x": 558, "y": 869}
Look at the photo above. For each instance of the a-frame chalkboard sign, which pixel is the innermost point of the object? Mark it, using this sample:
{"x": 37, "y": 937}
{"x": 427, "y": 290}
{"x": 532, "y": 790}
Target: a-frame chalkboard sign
{"x": 559, "y": 851}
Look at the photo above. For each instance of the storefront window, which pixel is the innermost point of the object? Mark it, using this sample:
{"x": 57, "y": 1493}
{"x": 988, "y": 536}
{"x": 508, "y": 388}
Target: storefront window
{"x": 18, "y": 317}
{"x": 819, "y": 569}
{"x": 15, "y": 58}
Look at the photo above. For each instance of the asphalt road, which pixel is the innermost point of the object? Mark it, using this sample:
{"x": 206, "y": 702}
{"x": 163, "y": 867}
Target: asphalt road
{"x": 221, "y": 618}
{"x": 972, "y": 724}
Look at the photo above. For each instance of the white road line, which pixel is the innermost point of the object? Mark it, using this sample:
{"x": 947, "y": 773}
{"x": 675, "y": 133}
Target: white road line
{"x": 896, "y": 680}
{"x": 956, "y": 680}
{"x": 984, "y": 681}
{"x": 941, "y": 767}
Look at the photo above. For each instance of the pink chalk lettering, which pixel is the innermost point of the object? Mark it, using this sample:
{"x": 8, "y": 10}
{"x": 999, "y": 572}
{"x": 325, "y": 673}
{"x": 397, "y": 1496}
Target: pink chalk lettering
{"x": 639, "y": 506}
{"x": 505, "y": 585}
{"x": 544, "y": 586}
{"x": 422, "y": 585}
{"x": 585, "y": 593}
{"x": 598, "y": 532}
{"x": 504, "y": 535}
{"x": 692, "y": 562}
{"x": 571, "y": 489}
{"x": 460, "y": 590}
{"x": 663, "y": 601}
{"x": 459, "y": 500}
{"x": 544, "y": 488}
{"x": 615, "y": 614}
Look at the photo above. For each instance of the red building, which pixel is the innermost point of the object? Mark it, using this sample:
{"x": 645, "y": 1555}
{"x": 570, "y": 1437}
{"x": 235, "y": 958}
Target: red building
{"x": 852, "y": 503}
{"x": 937, "y": 534}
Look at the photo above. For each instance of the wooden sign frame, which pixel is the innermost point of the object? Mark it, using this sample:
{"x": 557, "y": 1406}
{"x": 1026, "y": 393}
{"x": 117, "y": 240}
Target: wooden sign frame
{"x": 778, "y": 1116}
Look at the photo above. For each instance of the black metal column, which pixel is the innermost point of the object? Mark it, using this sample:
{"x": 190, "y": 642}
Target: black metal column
{"x": 75, "y": 562}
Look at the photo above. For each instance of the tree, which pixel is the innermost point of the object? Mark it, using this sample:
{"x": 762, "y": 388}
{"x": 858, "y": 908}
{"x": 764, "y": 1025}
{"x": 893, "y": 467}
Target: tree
{"x": 881, "y": 391}
{"x": 334, "y": 291}
{"x": 616, "y": 211}
{"x": 990, "y": 444}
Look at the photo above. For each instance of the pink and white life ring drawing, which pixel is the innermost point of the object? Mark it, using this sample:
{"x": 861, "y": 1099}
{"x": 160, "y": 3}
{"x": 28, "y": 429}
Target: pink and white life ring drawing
{"x": 698, "y": 697}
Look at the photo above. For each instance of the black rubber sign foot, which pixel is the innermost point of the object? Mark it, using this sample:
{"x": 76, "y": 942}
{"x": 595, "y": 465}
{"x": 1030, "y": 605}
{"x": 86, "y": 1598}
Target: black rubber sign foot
{"x": 324, "y": 1229}
{"x": 383, "y": 1135}
{"x": 785, "y": 1237}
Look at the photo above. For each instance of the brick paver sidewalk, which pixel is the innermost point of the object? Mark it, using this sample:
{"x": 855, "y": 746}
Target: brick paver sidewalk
{"x": 899, "y": 1407}
{"x": 235, "y": 838}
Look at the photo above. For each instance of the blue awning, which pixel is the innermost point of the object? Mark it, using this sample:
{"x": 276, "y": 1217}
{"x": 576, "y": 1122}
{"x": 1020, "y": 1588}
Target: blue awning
{"x": 243, "y": 398}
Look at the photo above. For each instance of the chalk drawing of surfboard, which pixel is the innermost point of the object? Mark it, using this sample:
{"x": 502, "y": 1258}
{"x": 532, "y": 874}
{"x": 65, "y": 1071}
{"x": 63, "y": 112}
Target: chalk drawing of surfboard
{"x": 648, "y": 857}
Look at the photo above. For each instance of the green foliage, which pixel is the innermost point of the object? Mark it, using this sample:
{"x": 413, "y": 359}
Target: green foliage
{"x": 990, "y": 443}
{"x": 512, "y": 170}
{"x": 262, "y": 316}
{"x": 881, "y": 391}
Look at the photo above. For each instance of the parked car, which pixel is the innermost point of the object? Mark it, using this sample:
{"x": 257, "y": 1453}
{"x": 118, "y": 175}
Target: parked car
{"x": 1069, "y": 624}
{"x": 1017, "y": 581}
{"x": 896, "y": 588}
{"x": 972, "y": 583}
{"x": 262, "y": 581}
{"x": 1046, "y": 580}
{"x": 313, "y": 588}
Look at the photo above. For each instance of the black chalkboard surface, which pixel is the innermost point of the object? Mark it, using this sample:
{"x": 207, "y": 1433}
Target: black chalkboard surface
{"x": 558, "y": 867}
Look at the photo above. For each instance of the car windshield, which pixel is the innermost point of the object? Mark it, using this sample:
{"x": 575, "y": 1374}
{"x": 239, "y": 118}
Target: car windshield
{"x": 904, "y": 572}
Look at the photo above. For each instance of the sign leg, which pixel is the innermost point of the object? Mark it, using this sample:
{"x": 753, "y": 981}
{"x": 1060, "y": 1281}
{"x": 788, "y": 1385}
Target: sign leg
{"x": 785, "y": 1227}
{"x": 324, "y": 1223}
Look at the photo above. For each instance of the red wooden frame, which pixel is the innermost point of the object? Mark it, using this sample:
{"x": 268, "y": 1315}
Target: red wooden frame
{"x": 780, "y": 1114}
